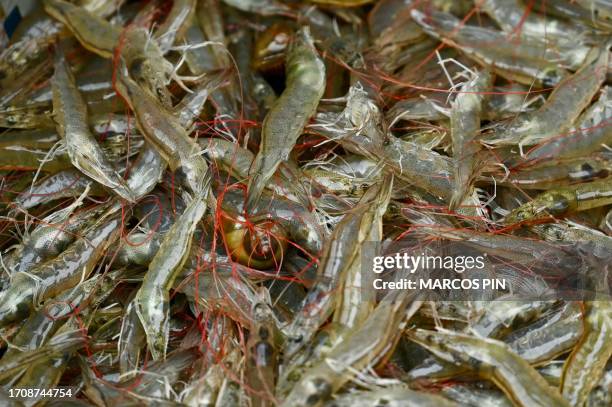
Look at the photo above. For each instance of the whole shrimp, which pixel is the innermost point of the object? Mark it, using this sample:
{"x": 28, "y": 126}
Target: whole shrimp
{"x": 585, "y": 366}
{"x": 363, "y": 347}
{"x": 165, "y": 132}
{"x": 562, "y": 107}
{"x": 561, "y": 201}
{"x": 493, "y": 360}
{"x": 152, "y": 300}
{"x": 519, "y": 62}
{"x": 337, "y": 259}
{"x": 70, "y": 113}
{"x": 289, "y": 114}
{"x": 60, "y": 273}
{"x": 465, "y": 127}
{"x": 262, "y": 355}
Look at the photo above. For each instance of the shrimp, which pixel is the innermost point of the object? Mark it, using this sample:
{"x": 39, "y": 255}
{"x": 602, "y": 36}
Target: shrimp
{"x": 27, "y": 48}
{"x": 60, "y": 273}
{"x": 519, "y": 62}
{"x": 475, "y": 395}
{"x": 600, "y": 8}
{"x": 392, "y": 396}
{"x": 465, "y": 128}
{"x": 291, "y": 111}
{"x": 164, "y": 131}
{"x": 66, "y": 183}
{"x": 148, "y": 385}
{"x": 363, "y": 347}
{"x": 359, "y": 130}
{"x": 190, "y": 107}
{"x": 145, "y": 62}
{"x": 599, "y": 244}
{"x": 585, "y": 366}
{"x": 55, "y": 365}
{"x": 60, "y": 344}
{"x": 30, "y": 116}
{"x": 492, "y": 360}
{"x": 502, "y": 315}
{"x": 262, "y": 356}
{"x": 40, "y": 326}
{"x": 561, "y": 109}
{"x": 343, "y": 250}
{"x": 151, "y": 301}
{"x": 548, "y": 337}
{"x": 146, "y": 172}
{"x": 340, "y": 184}
{"x": 561, "y": 201}
{"x": 51, "y": 237}
{"x": 174, "y": 23}
{"x": 263, "y": 7}
{"x": 574, "y": 12}
{"x": 144, "y": 57}
{"x": 539, "y": 341}
{"x": 70, "y": 113}
{"x": 558, "y": 173}
{"x": 591, "y": 133}
{"x": 204, "y": 59}
{"x": 132, "y": 339}
{"x": 356, "y": 299}
{"x": 205, "y": 390}
{"x": 149, "y": 167}
{"x": 512, "y": 16}
{"x": 94, "y": 33}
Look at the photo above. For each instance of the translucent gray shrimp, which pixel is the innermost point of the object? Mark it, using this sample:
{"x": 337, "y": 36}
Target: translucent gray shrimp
{"x": 337, "y": 259}
{"x": 592, "y": 131}
{"x": 60, "y": 273}
{"x": 66, "y": 183}
{"x": 70, "y": 114}
{"x": 65, "y": 342}
{"x": 514, "y": 18}
{"x": 556, "y": 173}
{"x": 362, "y": 348}
{"x": 492, "y": 360}
{"x": 559, "y": 202}
{"x": 165, "y": 132}
{"x": 393, "y": 396}
{"x": 151, "y": 301}
{"x": 520, "y": 62}
{"x": 585, "y": 366}
{"x": 50, "y": 238}
{"x": 562, "y": 108}
{"x": 465, "y": 128}
{"x": 291, "y": 111}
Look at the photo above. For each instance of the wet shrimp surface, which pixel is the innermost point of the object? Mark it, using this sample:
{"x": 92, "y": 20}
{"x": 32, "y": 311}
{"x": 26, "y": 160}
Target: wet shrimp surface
{"x": 306, "y": 203}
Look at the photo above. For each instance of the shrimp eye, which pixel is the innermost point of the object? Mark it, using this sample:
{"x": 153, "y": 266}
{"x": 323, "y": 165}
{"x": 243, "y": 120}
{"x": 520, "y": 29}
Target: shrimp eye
{"x": 260, "y": 245}
{"x": 264, "y": 334}
{"x": 321, "y": 391}
{"x": 559, "y": 205}
{"x": 136, "y": 68}
{"x": 551, "y": 78}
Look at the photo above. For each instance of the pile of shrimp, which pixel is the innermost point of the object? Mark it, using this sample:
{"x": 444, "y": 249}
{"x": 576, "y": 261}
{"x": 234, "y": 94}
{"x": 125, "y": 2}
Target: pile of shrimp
{"x": 193, "y": 193}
